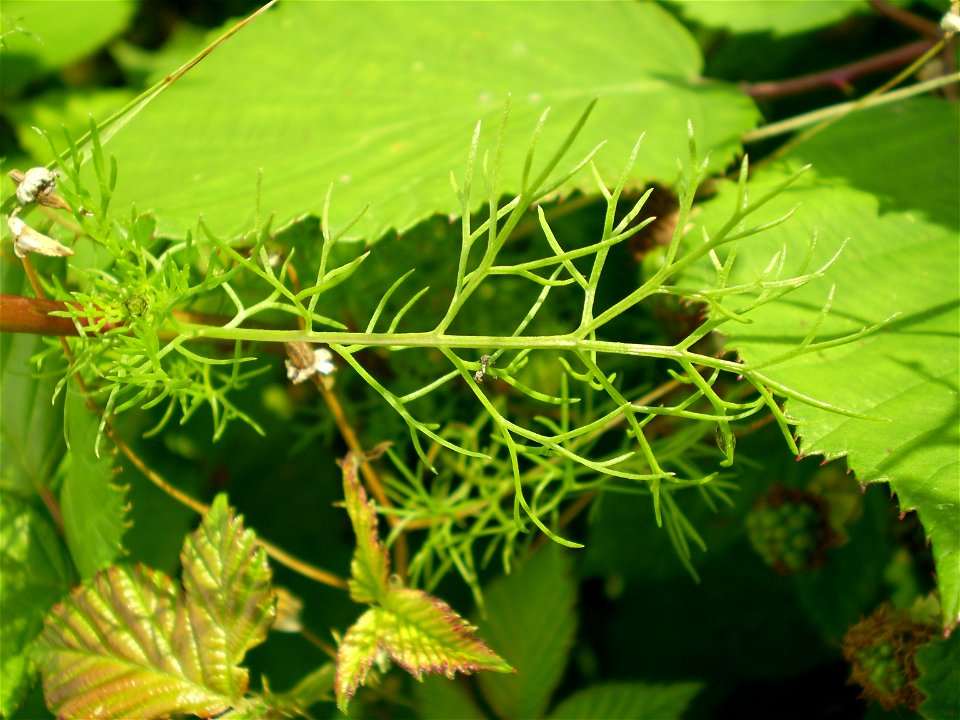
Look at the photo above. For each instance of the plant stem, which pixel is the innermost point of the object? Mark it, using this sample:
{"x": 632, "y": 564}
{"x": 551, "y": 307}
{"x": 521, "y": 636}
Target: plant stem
{"x": 401, "y": 555}
{"x": 906, "y": 18}
{"x": 836, "y": 111}
{"x": 837, "y": 77}
{"x": 278, "y": 554}
{"x": 21, "y": 314}
{"x": 439, "y": 341}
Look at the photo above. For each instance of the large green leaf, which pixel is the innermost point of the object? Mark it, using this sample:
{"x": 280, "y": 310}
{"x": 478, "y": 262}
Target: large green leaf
{"x": 45, "y": 36}
{"x": 939, "y": 664}
{"x": 126, "y": 643}
{"x": 531, "y": 620}
{"x": 896, "y": 201}
{"x": 381, "y": 101}
{"x": 627, "y": 701}
{"x": 779, "y": 18}
{"x": 440, "y": 699}
{"x": 93, "y": 506}
{"x": 31, "y": 426}
{"x": 36, "y": 572}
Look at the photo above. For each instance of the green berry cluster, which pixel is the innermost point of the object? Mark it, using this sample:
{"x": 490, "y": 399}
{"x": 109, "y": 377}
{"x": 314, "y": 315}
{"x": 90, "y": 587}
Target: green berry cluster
{"x": 788, "y": 529}
{"x": 880, "y": 649}
{"x": 883, "y": 668}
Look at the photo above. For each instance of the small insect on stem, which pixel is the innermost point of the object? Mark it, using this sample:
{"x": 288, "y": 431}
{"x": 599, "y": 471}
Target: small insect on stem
{"x": 37, "y": 185}
{"x": 484, "y": 362}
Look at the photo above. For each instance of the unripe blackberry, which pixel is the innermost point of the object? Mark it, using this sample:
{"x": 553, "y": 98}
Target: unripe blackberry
{"x": 880, "y": 650}
{"x": 789, "y": 529}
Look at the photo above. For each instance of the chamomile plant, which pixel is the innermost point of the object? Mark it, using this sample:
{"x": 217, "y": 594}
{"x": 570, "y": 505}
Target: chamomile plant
{"x": 185, "y": 324}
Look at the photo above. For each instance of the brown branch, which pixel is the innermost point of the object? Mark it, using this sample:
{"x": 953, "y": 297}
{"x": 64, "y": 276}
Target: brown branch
{"x": 21, "y": 314}
{"x": 906, "y": 18}
{"x": 839, "y": 77}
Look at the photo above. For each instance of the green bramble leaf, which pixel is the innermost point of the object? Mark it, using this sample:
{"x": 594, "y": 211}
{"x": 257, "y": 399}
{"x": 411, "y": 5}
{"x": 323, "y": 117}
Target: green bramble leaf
{"x": 370, "y": 566}
{"x": 128, "y": 643}
{"x": 536, "y": 628}
{"x": 356, "y": 654}
{"x": 900, "y": 262}
{"x": 939, "y": 664}
{"x": 423, "y": 634}
{"x": 419, "y": 632}
{"x": 346, "y": 139}
{"x": 36, "y": 572}
{"x": 227, "y": 577}
{"x": 94, "y": 507}
{"x": 628, "y": 700}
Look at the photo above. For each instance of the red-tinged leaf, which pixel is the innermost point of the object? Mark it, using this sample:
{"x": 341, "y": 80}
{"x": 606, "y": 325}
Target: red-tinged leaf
{"x": 417, "y": 631}
{"x": 109, "y": 651}
{"x": 230, "y": 602}
{"x": 127, "y": 643}
{"x": 370, "y": 566}
{"x": 357, "y": 651}
{"x": 423, "y": 634}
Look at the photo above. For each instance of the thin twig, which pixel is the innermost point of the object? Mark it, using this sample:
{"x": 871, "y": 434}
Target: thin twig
{"x": 838, "y": 77}
{"x": 277, "y": 553}
{"x": 831, "y": 114}
{"x": 906, "y": 18}
{"x": 21, "y": 314}
{"x": 401, "y": 551}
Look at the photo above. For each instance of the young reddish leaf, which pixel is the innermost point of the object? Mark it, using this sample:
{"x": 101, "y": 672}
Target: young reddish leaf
{"x": 127, "y": 644}
{"x": 229, "y": 599}
{"x": 418, "y": 632}
{"x": 370, "y": 566}
{"x": 110, "y": 651}
{"x": 423, "y": 634}
{"x": 357, "y": 651}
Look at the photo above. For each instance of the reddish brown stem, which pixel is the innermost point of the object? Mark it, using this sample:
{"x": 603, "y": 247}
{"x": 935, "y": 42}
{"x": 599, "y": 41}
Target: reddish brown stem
{"x": 906, "y": 18}
{"x": 33, "y": 315}
{"x": 838, "y": 77}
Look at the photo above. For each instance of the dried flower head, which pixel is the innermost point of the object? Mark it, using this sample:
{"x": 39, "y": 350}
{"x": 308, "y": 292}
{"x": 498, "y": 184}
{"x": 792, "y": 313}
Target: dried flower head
{"x": 304, "y": 361}
{"x": 27, "y": 240}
